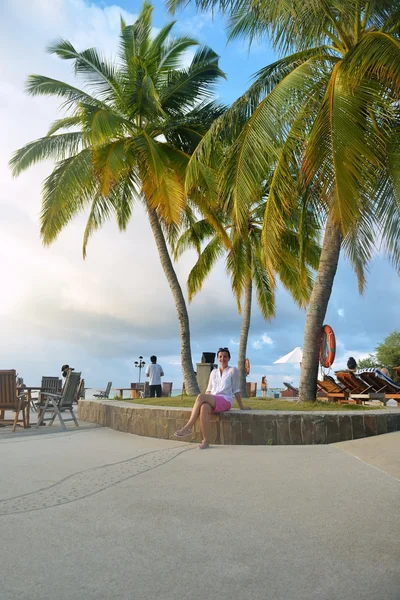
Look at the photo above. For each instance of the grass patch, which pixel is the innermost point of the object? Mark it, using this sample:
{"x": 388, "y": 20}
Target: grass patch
{"x": 255, "y": 404}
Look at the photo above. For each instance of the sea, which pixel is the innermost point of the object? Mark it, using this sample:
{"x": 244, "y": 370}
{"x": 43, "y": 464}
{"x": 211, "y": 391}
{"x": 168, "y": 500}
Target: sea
{"x": 89, "y": 393}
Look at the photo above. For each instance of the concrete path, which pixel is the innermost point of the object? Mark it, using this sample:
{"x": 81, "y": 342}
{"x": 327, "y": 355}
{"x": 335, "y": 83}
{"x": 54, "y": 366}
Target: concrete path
{"x": 93, "y": 514}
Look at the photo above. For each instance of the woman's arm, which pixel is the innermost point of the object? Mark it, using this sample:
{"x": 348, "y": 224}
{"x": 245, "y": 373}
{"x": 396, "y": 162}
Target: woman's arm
{"x": 239, "y": 401}
{"x": 236, "y": 391}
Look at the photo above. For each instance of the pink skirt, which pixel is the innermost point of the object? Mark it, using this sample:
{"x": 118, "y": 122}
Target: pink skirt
{"x": 221, "y": 404}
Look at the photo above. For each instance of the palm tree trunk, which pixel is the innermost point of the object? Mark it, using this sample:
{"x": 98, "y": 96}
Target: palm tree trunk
{"x": 244, "y": 335}
{"x": 189, "y": 377}
{"x": 317, "y": 310}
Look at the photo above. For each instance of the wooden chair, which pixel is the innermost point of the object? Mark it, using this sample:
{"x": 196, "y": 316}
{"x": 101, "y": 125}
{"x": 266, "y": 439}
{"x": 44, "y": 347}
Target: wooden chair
{"x": 335, "y": 391}
{"x": 10, "y": 399}
{"x": 62, "y": 402}
{"x": 81, "y": 391}
{"x": 381, "y": 384}
{"x": 166, "y": 388}
{"x": 104, "y": 393}
{"x": 290, "y": 392}
{"x": 50, "y": 385}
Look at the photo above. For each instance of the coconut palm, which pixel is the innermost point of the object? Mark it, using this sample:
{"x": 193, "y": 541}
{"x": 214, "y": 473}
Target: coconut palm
{"x": 126, "y": 137}
{"x": 325, "y": 120}
{"x": 245, "y": 264}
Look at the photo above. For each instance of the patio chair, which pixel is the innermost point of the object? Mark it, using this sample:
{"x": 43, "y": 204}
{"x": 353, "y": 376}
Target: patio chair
{"x": 62, "y": 402}
{"x": 81, "y": 391}
{"x": 290, "y": 392}
{"x": 10, "y": 399}
{"x": 104, "y": 393}
{"x": 50, "y": 385}
{"x": 166, "y": 388}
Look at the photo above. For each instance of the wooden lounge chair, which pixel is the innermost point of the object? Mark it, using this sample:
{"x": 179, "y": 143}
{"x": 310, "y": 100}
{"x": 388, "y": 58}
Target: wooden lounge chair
{"x": 335, "y": 391}
{"x": 62, "y": 402}
{"x": 359, "y": 389}
{"x": 381, "y": 383}
{"x": 104, "y": 393}
{"x": 290, "y": 392}
{"x": 352, "y": 382}
{"x": 10, "y": 399}
{"x": 166, "y": 388}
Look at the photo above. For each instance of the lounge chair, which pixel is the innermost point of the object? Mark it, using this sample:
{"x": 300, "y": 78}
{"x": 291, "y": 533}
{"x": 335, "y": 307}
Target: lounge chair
{"x": 10, "y": 399}
{"x": 334, "y": 390}
{"x": 166, "y": 388}
{"x": 359, "y": 389}
{"x": 290, "y": 392}
{"x": 352, "y": 382}
{"x": 104, "y": 393}
{"x": 381, "y": 383}
{"x": 62, "y": 402}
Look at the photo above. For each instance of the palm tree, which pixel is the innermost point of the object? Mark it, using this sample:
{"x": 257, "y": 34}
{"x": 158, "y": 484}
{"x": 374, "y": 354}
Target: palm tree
{"x": 245, "y": 264}
{"x": 126, "y": 137}
{"x": 325, "y": 119}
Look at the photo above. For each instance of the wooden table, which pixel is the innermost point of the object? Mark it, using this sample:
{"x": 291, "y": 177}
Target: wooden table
{"x": 121, "y": 390}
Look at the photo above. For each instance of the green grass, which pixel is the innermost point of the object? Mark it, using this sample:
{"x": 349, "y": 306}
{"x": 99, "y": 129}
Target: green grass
{"x": 254, "y": 403}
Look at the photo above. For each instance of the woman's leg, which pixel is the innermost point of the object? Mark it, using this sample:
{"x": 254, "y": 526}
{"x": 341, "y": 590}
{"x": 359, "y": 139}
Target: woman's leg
{"x": 205, "y": 412}
{"x": 200, "y": 400}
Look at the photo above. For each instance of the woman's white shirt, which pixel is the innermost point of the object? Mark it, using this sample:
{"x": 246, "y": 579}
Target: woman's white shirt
{"x": 224, "y": 384}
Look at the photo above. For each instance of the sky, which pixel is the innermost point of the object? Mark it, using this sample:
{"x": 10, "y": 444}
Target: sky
{"x": 100, "y": 314}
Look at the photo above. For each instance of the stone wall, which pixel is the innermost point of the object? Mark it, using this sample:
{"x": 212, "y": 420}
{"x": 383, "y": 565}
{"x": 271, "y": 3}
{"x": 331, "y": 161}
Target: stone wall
{"x": 243, "y": 427}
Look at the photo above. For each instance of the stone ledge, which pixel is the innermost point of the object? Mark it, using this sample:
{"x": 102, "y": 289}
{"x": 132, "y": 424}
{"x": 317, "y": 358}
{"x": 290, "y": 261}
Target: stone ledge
{"x": 243, "y": 427}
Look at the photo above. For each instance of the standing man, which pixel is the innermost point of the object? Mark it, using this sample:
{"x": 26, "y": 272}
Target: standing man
{"x": 154, "y": 372}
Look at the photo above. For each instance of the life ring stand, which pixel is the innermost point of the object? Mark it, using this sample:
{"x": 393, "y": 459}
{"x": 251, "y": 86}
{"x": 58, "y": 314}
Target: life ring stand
{"x": 327, "y": 350}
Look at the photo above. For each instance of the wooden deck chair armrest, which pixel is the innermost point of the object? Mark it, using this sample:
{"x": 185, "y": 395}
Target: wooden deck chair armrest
{"x": 51, "y": 394}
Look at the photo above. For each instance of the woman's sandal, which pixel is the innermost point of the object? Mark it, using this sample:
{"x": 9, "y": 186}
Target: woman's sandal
{"x": 181, "y": 434}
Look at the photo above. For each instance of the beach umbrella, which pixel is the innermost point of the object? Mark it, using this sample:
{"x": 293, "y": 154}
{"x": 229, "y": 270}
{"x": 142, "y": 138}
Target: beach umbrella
{"x": 295, "y": 356}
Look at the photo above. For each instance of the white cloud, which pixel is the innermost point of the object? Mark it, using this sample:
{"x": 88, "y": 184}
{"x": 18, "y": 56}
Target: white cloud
{"x": 264, "y": 340}
{"x": 340, "y": 312}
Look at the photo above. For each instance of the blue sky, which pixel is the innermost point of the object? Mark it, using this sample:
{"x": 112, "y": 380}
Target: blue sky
{"x": 100, "y": 314}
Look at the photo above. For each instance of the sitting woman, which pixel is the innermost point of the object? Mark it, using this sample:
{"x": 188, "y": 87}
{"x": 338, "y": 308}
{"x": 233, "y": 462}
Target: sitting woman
{"x": 351, "y": 364}
{"x": 222, "y": 387}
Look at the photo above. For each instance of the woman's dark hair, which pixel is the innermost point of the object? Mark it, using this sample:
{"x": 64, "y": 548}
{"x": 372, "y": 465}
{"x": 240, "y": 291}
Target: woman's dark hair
{"x": 65, "y": 369}
{"x": 351, "y": 363}
{"x": 224, "y": 350}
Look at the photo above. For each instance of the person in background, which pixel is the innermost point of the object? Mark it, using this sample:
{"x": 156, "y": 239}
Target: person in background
{"x": 351, "y": 364}
{"x": 385, "y": 371}
{"x": 154, "y": 372}
{"x": 223, "y": 387}
{"x": 264, "y": 386}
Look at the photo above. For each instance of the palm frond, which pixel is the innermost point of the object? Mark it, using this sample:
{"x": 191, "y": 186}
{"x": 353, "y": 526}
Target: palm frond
{"x": 67, "y": 190}
{"x": 99, "y": 74}
{"x": 56, "y": 147}
{"x": 207, "y": 259}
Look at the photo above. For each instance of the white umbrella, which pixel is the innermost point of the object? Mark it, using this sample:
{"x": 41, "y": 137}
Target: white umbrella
{"x": 295, "y": 356}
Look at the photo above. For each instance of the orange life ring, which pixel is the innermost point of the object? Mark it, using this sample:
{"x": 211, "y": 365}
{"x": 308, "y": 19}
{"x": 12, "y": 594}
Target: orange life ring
{"x": 247, "y": 366}
{"x": 327, "y": 350}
